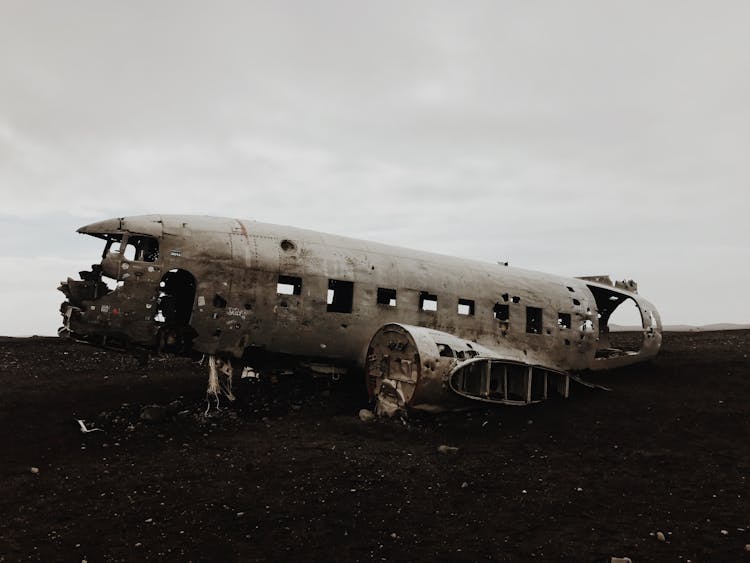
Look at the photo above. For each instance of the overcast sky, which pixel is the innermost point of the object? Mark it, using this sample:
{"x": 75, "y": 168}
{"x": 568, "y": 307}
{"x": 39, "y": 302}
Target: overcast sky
{"x": 571, "y": 137}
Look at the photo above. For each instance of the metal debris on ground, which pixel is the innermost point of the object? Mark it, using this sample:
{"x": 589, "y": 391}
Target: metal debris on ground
{"x": 366, "y": 415}
{"x": 219, "y": 381}
{"x": 86, "y": 430}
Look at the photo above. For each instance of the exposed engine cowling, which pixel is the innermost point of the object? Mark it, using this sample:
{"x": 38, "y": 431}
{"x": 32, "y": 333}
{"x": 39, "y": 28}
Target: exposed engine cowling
{"x": 411, "y": 367}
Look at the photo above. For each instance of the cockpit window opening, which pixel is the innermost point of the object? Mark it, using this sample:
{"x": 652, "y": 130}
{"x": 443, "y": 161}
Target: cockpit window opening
{"x": 113, "y": 244}
{"x": 141, "y": 249}
{"x": 128, "y": 251}
{"x": 135, "y": 248}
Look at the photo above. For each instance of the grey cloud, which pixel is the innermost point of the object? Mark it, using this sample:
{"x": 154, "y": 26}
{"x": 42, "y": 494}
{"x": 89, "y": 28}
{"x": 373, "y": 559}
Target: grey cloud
{"x": 568, "y": 137}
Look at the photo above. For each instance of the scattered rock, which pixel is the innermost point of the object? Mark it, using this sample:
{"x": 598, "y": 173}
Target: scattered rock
{"x": 34, "y": 470}
{"x": 464, "y": 485}
{"x": 366, "y": 415}
{"x": 747, "y": 547}
{"x": 447, "y": 450}
{"x": 660, "y": 536}
{"x": 154, "y": 413}
{"x": 725, "y": 532}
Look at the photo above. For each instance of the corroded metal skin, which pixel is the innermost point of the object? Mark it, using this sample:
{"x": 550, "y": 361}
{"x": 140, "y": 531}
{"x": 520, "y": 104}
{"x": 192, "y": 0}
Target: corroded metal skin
{"x": 229, "y": 287}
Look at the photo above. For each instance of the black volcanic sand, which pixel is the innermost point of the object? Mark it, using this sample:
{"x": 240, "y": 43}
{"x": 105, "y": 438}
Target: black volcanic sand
{"x": 295, "y": 475}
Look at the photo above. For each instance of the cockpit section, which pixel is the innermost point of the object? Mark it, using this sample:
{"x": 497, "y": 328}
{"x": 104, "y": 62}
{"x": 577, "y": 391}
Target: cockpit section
{"x": 116, "y": 301}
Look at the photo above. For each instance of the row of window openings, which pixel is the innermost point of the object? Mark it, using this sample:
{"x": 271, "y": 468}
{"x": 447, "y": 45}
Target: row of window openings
{"x": 341, "y": 293}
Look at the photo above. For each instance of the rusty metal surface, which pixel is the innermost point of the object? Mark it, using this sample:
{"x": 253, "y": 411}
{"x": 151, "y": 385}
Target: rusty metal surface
{"x": 211, "y": 288}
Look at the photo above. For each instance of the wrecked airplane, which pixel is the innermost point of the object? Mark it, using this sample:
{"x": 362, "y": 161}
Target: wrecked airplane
{"x": 429, "y": 331}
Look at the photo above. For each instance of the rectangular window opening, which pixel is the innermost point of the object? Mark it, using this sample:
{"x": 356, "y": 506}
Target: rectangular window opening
{"x": 465, "y": 306}
{"x": 386, "y": 296}
{"x": 533, "y": 320}
{"x": 289, "y": 285}
{"x": 340, "y": 296}
{"x": 501, "y": 312}
{"x": 427, "y": 301}
{"x": 563, "y": 320}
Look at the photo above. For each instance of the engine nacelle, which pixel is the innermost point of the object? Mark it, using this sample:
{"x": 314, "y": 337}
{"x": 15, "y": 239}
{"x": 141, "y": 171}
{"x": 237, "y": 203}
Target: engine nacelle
{"x": 411, "y": 367}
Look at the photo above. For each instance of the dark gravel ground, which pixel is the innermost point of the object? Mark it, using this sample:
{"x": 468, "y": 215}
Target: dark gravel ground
{"x": 295, "y": 475}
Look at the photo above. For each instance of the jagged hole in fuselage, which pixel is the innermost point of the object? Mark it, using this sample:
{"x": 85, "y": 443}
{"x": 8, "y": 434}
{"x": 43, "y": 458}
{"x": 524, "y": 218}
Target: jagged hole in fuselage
{"x": 620, "y": 323}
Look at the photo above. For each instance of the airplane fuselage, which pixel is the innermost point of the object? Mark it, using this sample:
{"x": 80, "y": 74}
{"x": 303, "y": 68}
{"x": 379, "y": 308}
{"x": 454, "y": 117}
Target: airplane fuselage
{"x": 227, "y": 287}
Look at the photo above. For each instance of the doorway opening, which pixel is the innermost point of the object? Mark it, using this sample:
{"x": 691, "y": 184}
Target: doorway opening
{"x": 175, "y": 310}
